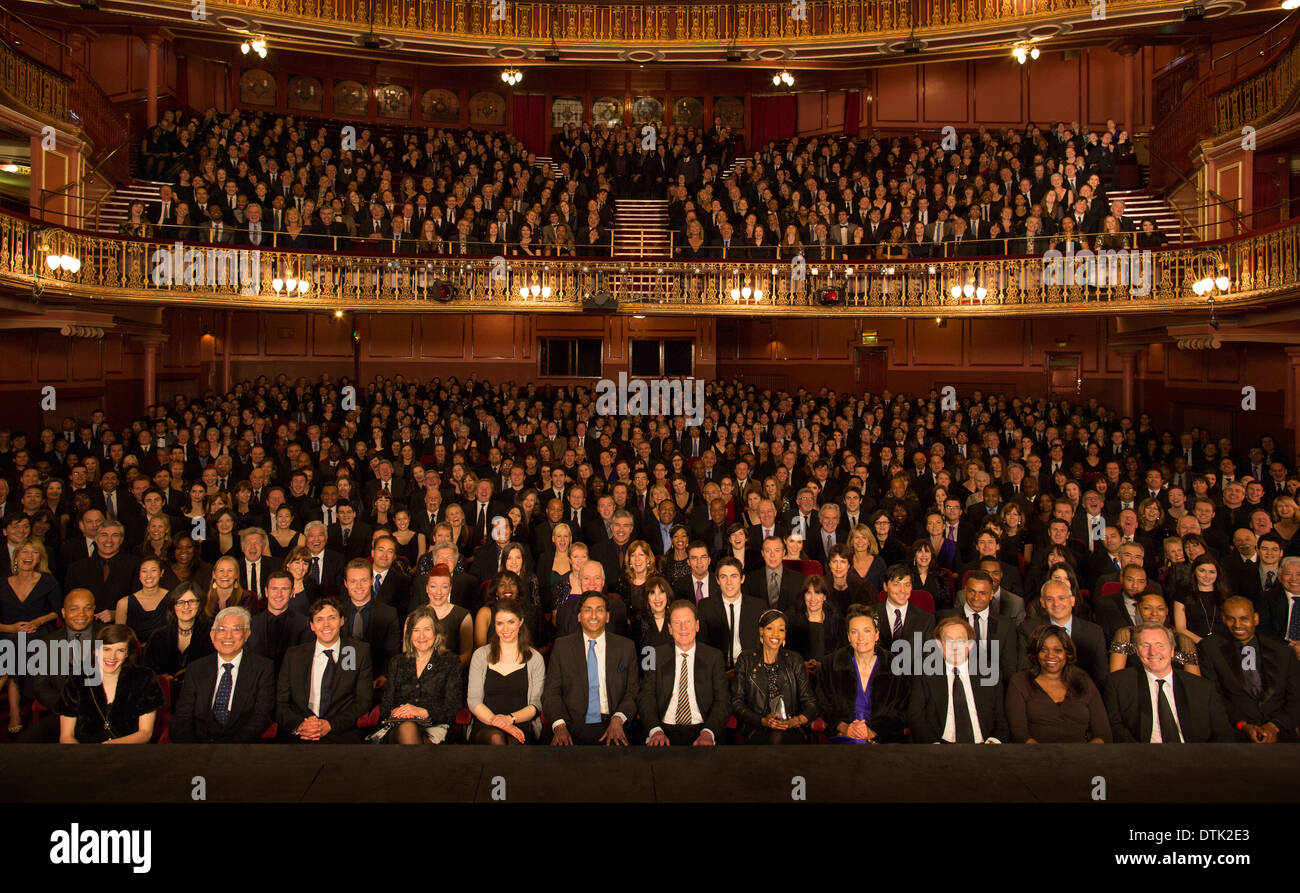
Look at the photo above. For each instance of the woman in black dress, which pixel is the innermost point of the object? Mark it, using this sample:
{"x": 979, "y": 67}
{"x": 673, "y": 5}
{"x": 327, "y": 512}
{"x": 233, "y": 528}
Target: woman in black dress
{"x": 408, "y": 549}
{"x": 425, "y": 688}
{"x": 122, "y": 708}
{"x": 453, "y": 620}
{"x": 145, "y": 610}
{"x": 1196, "y": 608}
{"x": 183, "y": 638}
{"x": 30, "y": 599}
{"x": 650, "y": 623}
{"x": 816, "y": 627}
{"x": 770, "y": 694}
{"x": 841, "y": 588}
{"x": 506, "y": 677}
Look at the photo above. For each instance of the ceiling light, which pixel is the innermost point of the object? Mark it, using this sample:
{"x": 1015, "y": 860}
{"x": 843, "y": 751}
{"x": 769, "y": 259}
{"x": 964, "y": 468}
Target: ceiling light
{"x": 1033, "y": 53}
{"x": 783, "y": 77}
{"x": 512, "y": 76}
{"x": 1291, "y": 4}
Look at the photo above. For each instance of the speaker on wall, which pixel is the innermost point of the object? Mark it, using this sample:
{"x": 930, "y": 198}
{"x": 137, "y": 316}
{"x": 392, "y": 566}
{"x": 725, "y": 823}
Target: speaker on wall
{"x": 601, "y": 301}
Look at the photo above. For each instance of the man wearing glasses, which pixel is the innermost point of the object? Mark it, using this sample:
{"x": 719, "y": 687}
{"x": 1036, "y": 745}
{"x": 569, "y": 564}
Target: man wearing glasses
{"x": 228, "y": 696}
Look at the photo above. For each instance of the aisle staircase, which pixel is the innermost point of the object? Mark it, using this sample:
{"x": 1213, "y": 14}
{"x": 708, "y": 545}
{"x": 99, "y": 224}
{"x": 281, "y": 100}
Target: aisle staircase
{"x": 641, "y": 228}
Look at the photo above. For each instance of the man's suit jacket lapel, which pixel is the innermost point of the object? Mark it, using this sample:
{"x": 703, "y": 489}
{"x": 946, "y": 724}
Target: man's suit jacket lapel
{"x": 611, "y": 672}
{"x": 1145, "y": 722}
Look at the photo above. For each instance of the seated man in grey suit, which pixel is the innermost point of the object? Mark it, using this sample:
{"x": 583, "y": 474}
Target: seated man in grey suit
{"x": 592, "y": 682}
{"x": 1057, "y": 602}
{"x": 229, "y": 696}
{"x": 684, "y": 695}
{"x": 326, "y": 685}
{"x": 1157, "y": 703}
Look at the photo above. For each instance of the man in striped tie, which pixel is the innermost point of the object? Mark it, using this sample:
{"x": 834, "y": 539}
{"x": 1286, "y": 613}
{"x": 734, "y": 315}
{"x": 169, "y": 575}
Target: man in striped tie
{"x": 684, "y": 697}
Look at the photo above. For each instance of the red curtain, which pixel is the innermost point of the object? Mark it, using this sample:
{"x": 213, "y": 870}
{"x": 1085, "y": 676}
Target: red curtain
{"x": 528, "y": 121}
{"x": 852, "y": 110}
{"x": 773, "y": 119}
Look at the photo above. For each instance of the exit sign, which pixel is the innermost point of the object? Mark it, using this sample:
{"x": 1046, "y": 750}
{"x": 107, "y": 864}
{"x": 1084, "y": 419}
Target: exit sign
{"x": 870, "y": 337}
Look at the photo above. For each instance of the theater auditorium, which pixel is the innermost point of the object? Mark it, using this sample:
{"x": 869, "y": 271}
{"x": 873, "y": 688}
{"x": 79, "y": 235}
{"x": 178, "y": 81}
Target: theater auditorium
{"x": 625, "y": 401}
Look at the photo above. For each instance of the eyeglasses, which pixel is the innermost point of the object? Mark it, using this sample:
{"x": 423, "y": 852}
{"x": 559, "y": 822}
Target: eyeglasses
{"x": 187, "y": 603}
{"x": 223, "y": 630}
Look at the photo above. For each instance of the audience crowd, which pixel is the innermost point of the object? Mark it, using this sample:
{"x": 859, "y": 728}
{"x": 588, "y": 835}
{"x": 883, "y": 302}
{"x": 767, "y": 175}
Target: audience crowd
{"x": 257, "y": 180}
{"x": 460, "y": 561}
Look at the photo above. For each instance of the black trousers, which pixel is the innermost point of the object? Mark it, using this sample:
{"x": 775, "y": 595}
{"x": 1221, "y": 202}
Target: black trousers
{"x": 590, "y": 732}
{"x": 683, "y": 736}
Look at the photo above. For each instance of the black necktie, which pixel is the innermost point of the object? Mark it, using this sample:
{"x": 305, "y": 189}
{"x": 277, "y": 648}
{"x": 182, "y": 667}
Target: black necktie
{"x": 731, "y": 632}
{"x": 965, "y": 732}
{"x": 975, "y": 622}
{"x": 1169, "y": 732}
{"x": 252, "y": 579}
{"x": 325, "y": 680}
{"x": 1254, "y": 683}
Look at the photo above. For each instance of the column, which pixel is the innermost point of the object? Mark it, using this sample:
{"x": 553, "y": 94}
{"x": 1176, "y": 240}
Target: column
{"x": 154, "y": 42}
{"x": 225, "y": 352}
{"x": 150, "y": 372}
{"x": 1130, "y": 76}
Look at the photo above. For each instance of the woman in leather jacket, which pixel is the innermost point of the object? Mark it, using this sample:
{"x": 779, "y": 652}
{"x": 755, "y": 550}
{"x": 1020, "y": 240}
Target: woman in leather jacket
{"x": 771, "y": 695}
{"x": 858, "y": 712}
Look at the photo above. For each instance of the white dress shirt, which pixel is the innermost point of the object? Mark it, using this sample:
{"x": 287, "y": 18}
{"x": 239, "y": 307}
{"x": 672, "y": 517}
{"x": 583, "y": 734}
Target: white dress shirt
{"x": 234, "y": 676}
{"x": 736, "y": 647}
{"x": 1157, "y": 734}
{"x": 318, "y": 664}
{"x": 670, "y": 713}
{"x": 950, "y": 724}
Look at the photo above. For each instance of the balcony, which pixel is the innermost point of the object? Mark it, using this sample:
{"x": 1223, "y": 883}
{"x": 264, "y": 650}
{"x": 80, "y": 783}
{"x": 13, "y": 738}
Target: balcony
{"x": 639, "y": 31}
{"x": 1261, "y": 268}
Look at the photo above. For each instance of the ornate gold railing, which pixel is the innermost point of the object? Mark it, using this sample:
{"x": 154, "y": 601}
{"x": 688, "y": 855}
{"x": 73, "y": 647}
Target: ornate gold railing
{"x": 1260, "y": 265}
{"x": 1257, "y": 98}
{"x": 657, "y": 23}
{"x": 31, "y": 86}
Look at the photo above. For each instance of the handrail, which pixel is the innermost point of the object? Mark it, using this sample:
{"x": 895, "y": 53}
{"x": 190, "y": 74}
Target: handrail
{"x": 1261, "y": 265}
{"x": 1235, "y": 218}
{"x": 539, "y": 24}
{"x": 47, "y": 194}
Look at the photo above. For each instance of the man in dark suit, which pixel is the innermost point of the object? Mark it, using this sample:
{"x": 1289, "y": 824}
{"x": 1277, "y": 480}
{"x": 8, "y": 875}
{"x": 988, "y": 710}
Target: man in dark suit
{"x": 325, "y": 567}
{"x": 229, "y": 696}
{"x": 1120, "y": 609}
{"x": 568, "y": 615}
{"x": 1256, "y": 676}
{"x": 351, "y": 536}
{"x": 325, "y": 685}
{"x": 775, "y": 585}
{"x": 729, "y": 620}
{"x": 768, "y": 524}
{"x": 282, "y": 624}
{"x": 369, "y": 619}
{"x": 80, "y": 545}
{"x": 256, "y": 563}
{"x": 77, "y": 635}
{"x": 479, "y": 513}
{"x": 976, "y": 714}
{"x": 386, "y": 483}
{"x": 592, "y": 681}
{"x": 896, "y": 617}
{"x": 111, "y": 574}
{"x": 1090, "y": 643}
{"x": 1139, "y": 699}
{"x": 699, "y": 584}
{"x": 684, "y": 696}
{"x": 991, "y": 630}
{"x": 390, "y": 584}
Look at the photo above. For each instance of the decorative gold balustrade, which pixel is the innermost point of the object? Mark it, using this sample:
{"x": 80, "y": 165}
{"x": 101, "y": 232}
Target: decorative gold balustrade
{"x": 1257, "y": 98}
{"x": 32, "y": 87}
{"x": 1261, "y": 265}
{"x": 632, "y": 22}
